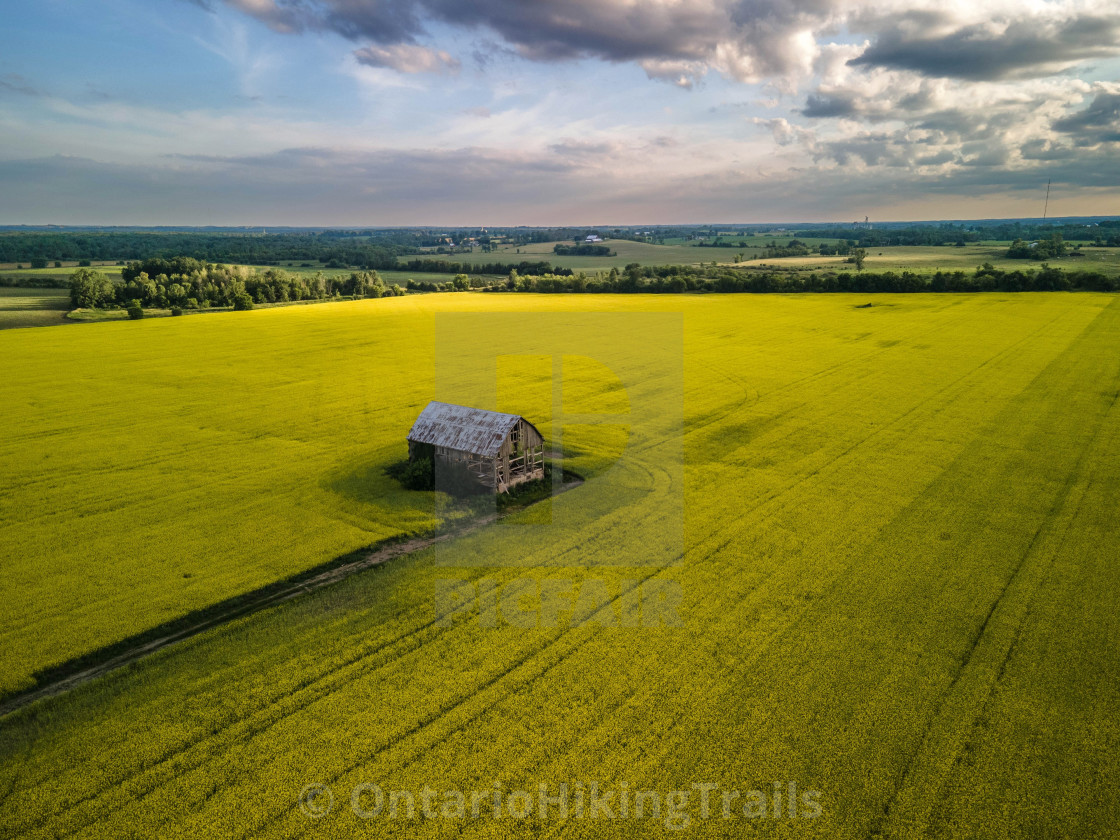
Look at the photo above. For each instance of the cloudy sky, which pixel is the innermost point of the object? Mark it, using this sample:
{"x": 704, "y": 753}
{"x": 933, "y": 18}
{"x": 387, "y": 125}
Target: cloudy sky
{"x": 536, "y": 112}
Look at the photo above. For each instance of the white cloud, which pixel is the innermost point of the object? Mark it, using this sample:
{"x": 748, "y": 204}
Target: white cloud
{"x": 408, "y": 58}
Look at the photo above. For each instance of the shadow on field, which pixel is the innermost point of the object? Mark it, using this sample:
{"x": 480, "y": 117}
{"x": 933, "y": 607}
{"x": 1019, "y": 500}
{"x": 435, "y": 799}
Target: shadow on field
{"x": 60, "y": 678}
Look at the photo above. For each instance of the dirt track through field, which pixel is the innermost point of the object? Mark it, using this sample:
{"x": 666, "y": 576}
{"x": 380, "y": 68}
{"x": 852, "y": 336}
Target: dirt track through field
{"x": 249, "y": 604}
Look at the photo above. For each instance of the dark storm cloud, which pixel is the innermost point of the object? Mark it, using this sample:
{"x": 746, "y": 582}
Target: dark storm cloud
{"x": 979, "y": 175}
{"x": 937, "y": 158}
{"x": 1045, "y": 150}
{"x": 984, "y": 52}
{"x": 836, "y": 105}
{"x": 739, "y": 37}
{"x": 572, "y": 28}
{"x": 921, "y": 100}
{"x": 993, "y": 155}
{"x": 382, "y": 21}
{"x": 854, "y": 101}
{"x": 872, "y": 149}
{"x": 546, "y": 30}
{"x": 1099, "y": 123}
{"x": 987, "y": 123}
{"x": 952, "y": 122}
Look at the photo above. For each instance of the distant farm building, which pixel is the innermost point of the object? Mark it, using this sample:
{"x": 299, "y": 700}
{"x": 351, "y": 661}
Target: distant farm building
{"x": 593, "y": 238}
{"x": 498, "y": 450}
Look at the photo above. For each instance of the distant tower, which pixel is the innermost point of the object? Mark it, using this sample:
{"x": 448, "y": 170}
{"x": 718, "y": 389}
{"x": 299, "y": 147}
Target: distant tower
{"x": 1046, "y": 205}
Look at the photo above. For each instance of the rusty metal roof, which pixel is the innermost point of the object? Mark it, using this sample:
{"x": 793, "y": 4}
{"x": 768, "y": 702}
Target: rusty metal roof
{"x": 460, "y": 427}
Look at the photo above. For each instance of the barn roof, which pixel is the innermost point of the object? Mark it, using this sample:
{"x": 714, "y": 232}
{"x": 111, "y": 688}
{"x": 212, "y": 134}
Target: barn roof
{"x": 460, "y": 427}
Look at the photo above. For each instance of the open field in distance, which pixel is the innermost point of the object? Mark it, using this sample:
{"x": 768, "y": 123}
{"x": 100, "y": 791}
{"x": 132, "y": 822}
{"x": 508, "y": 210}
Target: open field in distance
{"x": 627, "y": 252}
{"x": 915, "y": 258}
{"x": 923, "y": 259}
{"x": 26, "y": 307}
{"x": 927, "y": 259}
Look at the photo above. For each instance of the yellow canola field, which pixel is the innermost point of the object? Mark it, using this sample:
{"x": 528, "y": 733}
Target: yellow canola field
{"x": 895, "y": 587}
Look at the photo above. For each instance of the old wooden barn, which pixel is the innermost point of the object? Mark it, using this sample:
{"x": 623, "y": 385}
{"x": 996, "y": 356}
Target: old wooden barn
{"x": 499, "y": 450}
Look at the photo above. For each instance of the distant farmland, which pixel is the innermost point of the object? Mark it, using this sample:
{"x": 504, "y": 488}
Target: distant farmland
{"x": 626, "y": 252}
{"x": 924, "y": 259}
{"x": 899, "y": 579}
{"x": 32, "y": 307}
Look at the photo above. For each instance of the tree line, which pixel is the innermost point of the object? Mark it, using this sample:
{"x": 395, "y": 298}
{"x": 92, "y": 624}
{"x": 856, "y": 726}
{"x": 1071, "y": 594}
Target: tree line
{"x": 327, "y": 248}
{"x": 186, "y": 283}
{"x": 678, "y": 279}
{"x": 795, "y": 248}
{"x": 434, "y": 266}
{"x": 375, "y": 248}
{"x": 1043, "y": 249}
{"x": 582, "y": 250}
